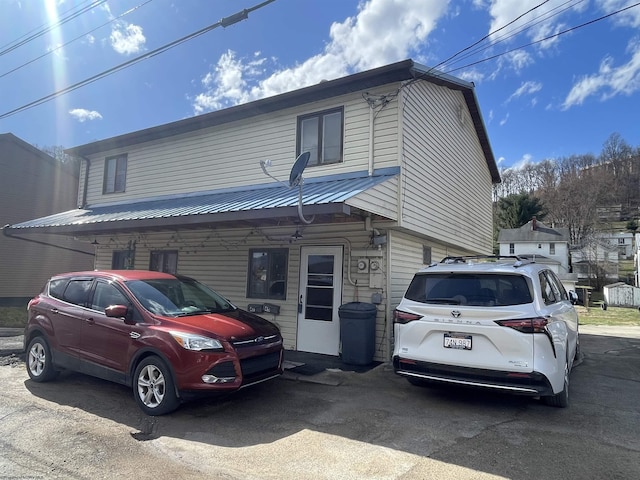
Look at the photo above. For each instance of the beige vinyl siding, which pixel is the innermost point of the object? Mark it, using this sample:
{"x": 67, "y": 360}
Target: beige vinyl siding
{"x": 445, "y": 183}
{"x": 219, "y": 258}
{"x": 380, "y": 200}
{"x": 229, "y": 155}
{"x": 405, "y": 259}
{"x": 34, "y": 185}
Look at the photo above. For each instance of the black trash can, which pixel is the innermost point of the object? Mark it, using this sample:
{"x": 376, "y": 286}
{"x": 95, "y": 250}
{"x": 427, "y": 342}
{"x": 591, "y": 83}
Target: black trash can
{"x": 358, "y": 332}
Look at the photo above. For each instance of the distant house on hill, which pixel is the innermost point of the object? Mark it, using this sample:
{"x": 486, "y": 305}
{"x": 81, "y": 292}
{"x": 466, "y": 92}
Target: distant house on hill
{"x": 34, "y": 184}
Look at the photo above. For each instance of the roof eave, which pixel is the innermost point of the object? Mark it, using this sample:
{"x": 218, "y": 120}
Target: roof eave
{"x": 182, "y": 221}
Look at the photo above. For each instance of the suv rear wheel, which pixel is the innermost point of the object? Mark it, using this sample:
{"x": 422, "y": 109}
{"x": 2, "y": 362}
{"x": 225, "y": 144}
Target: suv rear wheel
{"x": 39, "y": 361}
{"x": 154, "y": 388}
{"x": 560, "y": 399}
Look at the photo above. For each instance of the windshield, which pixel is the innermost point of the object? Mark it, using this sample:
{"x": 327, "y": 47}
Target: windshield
{"x": 469, "y": 289}
{"x": 178, "y": 297}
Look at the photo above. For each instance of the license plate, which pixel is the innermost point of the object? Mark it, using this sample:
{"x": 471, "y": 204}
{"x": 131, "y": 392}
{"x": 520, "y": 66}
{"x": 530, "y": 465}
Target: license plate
{"x": 457, "y": 341}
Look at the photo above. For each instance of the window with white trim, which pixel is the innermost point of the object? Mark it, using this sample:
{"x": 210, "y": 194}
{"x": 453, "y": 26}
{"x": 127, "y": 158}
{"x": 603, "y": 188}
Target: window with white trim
{"x": 115, "y": 174}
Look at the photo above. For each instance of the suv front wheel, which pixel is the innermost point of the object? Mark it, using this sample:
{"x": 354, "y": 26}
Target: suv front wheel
{"x": 154, "y": 388}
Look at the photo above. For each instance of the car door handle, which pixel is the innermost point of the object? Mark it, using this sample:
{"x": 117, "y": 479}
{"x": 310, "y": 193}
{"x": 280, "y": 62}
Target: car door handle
{"x": 54, "y": 310}
{"x": 90, "y": 321}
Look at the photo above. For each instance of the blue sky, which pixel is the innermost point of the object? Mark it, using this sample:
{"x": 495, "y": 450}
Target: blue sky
{"x": 559, "y": 96}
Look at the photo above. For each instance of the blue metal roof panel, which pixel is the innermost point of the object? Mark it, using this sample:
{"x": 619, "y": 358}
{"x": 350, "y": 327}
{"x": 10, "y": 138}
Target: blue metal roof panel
{"x": 316, "y": 191}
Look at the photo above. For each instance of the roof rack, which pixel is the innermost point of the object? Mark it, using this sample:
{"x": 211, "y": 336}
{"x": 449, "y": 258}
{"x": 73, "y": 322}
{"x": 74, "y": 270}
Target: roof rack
{"x": 518, "y": 261}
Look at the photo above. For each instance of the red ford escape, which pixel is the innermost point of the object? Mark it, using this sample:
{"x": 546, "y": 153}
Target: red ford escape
{"x": 165, "y": 336}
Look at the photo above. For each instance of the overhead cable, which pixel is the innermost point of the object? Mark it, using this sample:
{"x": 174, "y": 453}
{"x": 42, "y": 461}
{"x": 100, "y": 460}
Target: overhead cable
{"x": 224, "y": 22}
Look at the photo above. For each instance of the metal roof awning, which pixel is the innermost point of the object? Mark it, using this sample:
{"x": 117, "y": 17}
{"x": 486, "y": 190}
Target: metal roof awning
{"x": 320, "y": 196}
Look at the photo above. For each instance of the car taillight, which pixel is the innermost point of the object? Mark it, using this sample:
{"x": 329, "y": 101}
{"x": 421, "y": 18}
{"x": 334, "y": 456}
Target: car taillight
{"x": 404, "y": 317}
{"x": 32, "y": 302}
{"x": 526, "y": 325}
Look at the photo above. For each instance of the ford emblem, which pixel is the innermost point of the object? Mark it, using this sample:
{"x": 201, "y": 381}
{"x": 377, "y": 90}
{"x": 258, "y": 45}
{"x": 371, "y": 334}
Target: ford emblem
{"x": 259, "y": 339}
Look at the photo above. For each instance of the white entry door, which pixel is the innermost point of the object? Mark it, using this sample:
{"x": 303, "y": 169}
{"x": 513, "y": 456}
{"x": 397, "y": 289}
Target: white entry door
{"x": 319, "y": 299}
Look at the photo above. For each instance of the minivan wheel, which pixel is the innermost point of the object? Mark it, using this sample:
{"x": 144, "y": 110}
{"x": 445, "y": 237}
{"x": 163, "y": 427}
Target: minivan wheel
{"x": 39, "y": 361}
{"x": 154, "y": 388}
{"x": 560, "y": 399}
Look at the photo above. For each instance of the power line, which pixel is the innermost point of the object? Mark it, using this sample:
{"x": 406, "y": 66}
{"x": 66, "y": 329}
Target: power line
{"x": 75, "y": 39}
{"x": 555, "y": 35}
{"x": 526, "y": 26}
{"x": 489, "y": 35}
{"x": 49, "y": 28}
{"x": 224, "y": 22}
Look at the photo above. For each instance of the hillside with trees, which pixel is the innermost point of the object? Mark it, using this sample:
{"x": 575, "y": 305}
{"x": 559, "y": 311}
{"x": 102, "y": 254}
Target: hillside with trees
{"x": 587, "y": 194}
{"x": 574, "y": 192}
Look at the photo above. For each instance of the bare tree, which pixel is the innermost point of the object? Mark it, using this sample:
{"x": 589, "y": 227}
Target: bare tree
{"x": 58, "y": 152}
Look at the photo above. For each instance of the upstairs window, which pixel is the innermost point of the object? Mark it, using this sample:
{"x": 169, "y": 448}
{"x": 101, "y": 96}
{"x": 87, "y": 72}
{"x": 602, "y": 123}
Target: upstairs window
{"x": 512, "y": 248}
{"x": 321, "y": 135}
{"x": 552, "y": 248}
{"x": 115, "y": 174}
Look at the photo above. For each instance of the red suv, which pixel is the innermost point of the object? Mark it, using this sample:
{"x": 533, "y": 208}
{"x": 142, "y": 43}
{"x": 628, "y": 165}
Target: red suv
{"x": 166, "y": 336}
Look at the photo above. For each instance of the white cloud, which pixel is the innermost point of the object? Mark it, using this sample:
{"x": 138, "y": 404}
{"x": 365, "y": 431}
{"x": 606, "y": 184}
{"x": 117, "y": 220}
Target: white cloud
{"x": 526, "y": 88}
{"x": 382, "y": 32}
{"x": 127, "y": 39}
{"x": 538, "y": 23}
{"x": 526, "y": 159}
{"x": 83, "y": 115}
{"x": 628, "y": 18}
{"x": 609, "y": 82}
{"x": 504, "y": 121}
{"x": 471, "y": 75}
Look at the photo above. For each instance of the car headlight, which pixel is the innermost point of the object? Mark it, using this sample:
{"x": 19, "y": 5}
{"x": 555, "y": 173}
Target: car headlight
{"x": 190, "y": 341}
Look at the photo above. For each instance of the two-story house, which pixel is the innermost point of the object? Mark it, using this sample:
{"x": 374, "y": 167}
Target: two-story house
{"x": 543, "y": 244}
{"x": 399, "y": 175}
{"x": 34, "y": 184}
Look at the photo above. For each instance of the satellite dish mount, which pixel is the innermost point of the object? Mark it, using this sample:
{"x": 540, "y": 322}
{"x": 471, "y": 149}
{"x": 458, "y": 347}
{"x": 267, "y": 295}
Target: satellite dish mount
{"x": 295, "y": 179}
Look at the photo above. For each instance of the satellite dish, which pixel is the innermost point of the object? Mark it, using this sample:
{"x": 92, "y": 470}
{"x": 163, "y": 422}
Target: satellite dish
{"x": 295, "y": 178}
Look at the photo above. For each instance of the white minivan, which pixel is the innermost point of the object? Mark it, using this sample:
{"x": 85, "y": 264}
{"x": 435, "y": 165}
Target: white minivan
{"x": 501, "y": 323}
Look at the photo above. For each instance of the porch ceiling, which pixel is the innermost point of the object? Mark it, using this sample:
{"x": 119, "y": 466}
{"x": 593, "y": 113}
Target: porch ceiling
{"x": 326, "y": 197}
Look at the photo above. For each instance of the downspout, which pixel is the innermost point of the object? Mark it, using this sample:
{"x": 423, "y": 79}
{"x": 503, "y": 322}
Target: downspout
{"x": 6, "y": 233}
{"x": 371, "y": 121}
{"x": 83, "y": 204}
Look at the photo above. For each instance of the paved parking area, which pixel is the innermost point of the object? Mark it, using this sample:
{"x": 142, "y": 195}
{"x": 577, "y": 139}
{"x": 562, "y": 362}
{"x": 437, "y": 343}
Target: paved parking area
{"x": 334, "y": 425}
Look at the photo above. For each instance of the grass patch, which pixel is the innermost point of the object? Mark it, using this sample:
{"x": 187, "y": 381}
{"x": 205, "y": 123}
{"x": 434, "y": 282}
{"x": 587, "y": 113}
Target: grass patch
{"x": 13, "y": 317}
{"x": 612, "y": 316}
{"x": 16, "y": 317}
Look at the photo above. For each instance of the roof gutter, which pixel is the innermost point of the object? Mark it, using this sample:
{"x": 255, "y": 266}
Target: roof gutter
{"x": 8, "y": 234}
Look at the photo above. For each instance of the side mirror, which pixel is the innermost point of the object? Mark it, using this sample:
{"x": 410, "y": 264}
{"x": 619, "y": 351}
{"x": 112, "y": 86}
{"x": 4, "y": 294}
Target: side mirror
{"x": 117, "y": 311}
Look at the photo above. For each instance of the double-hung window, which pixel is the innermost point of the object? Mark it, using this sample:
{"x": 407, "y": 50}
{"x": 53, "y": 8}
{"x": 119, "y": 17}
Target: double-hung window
{"x": 115, "y": 174}
{"x": 267, "y": 273}
{"x": 321, "y": 134}
{"x": 164, "y": 261}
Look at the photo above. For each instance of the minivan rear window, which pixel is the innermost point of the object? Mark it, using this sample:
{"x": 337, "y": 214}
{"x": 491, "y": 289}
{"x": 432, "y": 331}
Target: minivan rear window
{"x": 469, "y": 289}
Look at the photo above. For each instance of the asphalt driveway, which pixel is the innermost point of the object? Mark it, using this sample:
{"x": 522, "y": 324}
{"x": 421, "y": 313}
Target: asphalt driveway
{"x": 333, "y": 425}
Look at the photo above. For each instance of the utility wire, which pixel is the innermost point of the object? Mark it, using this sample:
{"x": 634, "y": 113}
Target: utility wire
{"x": 489, "y": 35}
{"x": 526, "y": 26}
{"x": 224, "y": 22}
{"x": 75, "y": 39}
{"x": 555, "y": 35}
{"x": 50, "y": 27}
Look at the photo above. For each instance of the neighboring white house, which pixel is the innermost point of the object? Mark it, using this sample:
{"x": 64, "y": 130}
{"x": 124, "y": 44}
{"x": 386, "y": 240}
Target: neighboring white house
{"x": 596, "y": 258}
{"x": 400, "y": 174}
{"x": 541, "y": 243}
{"x": 535, "y": 239}
{"x": 622, "y": 241}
